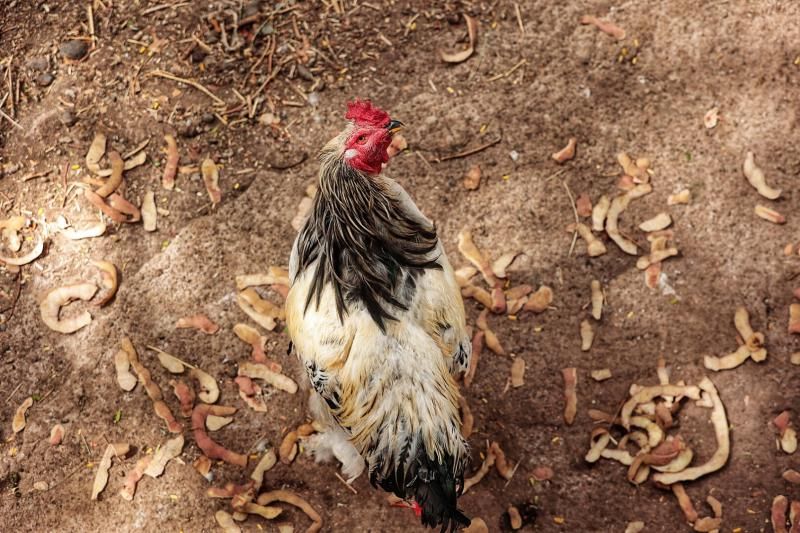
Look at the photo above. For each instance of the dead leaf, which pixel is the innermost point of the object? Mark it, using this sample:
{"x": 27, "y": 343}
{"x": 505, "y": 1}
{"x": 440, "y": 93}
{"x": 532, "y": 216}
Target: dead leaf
{"x": 458, "y": 57}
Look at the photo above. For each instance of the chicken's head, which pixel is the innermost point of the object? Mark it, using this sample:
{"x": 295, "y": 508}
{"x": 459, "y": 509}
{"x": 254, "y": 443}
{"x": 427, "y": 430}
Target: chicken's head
{"x": 367, "y": 141}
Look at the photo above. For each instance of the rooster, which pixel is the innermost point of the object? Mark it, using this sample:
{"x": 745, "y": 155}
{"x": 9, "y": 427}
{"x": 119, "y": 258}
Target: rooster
{"x": 376, "y": 317}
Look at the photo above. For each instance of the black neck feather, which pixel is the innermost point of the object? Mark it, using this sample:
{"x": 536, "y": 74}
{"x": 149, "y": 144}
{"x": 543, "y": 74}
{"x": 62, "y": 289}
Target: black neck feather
{"x": 370, "y": 249}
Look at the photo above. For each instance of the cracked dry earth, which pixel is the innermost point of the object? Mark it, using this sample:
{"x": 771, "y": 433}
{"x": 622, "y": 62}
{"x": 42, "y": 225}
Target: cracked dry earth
{"x": 646, "y": 94}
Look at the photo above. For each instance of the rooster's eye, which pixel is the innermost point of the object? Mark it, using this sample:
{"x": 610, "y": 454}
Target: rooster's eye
{"x": 361, "y": 139}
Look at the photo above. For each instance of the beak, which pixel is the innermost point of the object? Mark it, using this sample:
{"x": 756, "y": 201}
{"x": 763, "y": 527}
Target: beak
{"x": 394, "y": 126}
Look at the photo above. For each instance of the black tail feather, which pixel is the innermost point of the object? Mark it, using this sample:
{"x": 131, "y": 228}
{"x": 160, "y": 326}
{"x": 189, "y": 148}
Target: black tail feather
{"x": 434, "y": 486}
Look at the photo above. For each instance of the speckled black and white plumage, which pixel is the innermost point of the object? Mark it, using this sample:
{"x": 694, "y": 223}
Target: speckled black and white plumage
{"x": 376, "y": 316}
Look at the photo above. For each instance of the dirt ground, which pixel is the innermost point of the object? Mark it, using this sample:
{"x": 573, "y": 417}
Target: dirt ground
{"x": 646, "y": 94}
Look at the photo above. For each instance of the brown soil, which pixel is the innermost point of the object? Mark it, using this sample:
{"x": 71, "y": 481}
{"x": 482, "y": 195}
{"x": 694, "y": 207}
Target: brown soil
{"x": 646, "y": 95}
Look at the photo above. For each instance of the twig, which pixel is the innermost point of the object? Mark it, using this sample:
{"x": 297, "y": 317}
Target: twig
{"x": 163, "y": 6}
{"x": 83, "y": 438}
{"x": 10, "y": 88}
{"x": 62, "y": 480}
{"x": 427, "y": 163}
{"x": 509, "y": 72}
{"x": 519, "y": 19}
{"x": 164, "y": 74}
{"x": 577, "y": 219}
{"x": 471, "y": 151}
{"x": 11, "y": 120}
{"x": 257, "y": 63}
{"x": 35, "y": 175}
{"x": 287, "y": 166}
{"x": 13, "y": 392}
{"x": 409, "y": 23}
{"x": 136, "y": 149}
{"x": 90, "y": 17}
{"x": 169, "y": 354}
{"x": 346, "y": 484}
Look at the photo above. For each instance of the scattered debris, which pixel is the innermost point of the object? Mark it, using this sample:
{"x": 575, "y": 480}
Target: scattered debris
{"x": 594, "y": 246}
{"x": 225, "y": 521}
{"x": 778, "y": 514}
{"x": 135, "y": 474}
{"x": 257, "y": 343}
{"x": 125, "y": 379}
{"x": 500, "y": 264}
{"x": 110, "y": 281}
{"x": 209, "y": 390}
{"x": 794, "y": 318}
{"x": 566, "y": 153}
{"x": 199, "y": 322}
{"x": 96, "y": 152}
{"x": 210, "y": 448}
{"x": 634, "y": 527}
{"x": 288, "y": 448}
{"x": 587, "y": 335}
{"x": 211, "y": 179}
{"x": 755, "y": 176}
{"x": 681, "y": 198}
{"x": 472, "y": 180}
{"x": 540, "y": 300}
{"x": 489, "y": 337}
{"x": 153, "y": 391}
{"x": 618, "y": 205}
{"x": 721, "y": 431}
{"x": 171, "y": 165}
{"x": 711, "y": 117}
{"x": 56, "y": 435}
{"x": 262, "y": 312}
{"x": 149, "y": 212}
{"x": 583, "y": 205}
{"x": 262, "y": 372}
{"x": 753, "y": 346}
{"x": 505, "y": 470}
{"x": 265, "y": 464}
{"x": 599, "y": 213}
{"x": 215, "y": 423}
{"x": 605, "y": 26}
{"x": 291, "y": 498}
{"x": 601, "y": 374}
{"x": 101, "y": 478}
{"x": 657, "y": 223}
{"x": 251, "y": 394}
{"x": 95, "y": 229}
{"x": 787, "y": 435}
{"x": 792, "y": 476}
{"x": 597, "y": 299}
{"x": 570, "y": 376}
{"x": 26, "y": 258}
{"x": 19, "y": 422}
{"x": 170, "y": 450}
{"x": 488, "y": 463}
{"x": 56, "y": 298}
{"x": 769, "y": 215}
{"x": 517, "y": 378}
{"x": 115, "y": 180}
{"x": 458, "y": 57}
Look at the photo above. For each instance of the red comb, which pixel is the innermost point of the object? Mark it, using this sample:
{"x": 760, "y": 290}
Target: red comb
{"x": 364, "y": 113}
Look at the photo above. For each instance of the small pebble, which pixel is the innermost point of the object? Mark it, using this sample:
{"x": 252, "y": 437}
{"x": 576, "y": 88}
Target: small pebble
{"x": 67, "y": 118}
{"x": 74, "y": 49}
{"x": 304, "y": 73}
{"x": 514, "y": 155}
{"x": 44, "y": 79}
{"x": 41, "y": 485}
